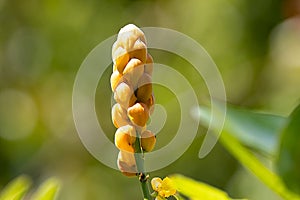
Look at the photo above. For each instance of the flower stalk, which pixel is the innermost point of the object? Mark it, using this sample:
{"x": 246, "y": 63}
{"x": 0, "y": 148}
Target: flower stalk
{"x": 143, "y": 177}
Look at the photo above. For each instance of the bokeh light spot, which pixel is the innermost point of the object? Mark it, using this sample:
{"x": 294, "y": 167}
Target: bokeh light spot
{"x": 18, "y": 114}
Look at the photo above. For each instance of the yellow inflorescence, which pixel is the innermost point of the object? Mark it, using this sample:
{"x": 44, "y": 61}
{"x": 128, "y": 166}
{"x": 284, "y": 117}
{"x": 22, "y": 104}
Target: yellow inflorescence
{"x": 131, "y": 82}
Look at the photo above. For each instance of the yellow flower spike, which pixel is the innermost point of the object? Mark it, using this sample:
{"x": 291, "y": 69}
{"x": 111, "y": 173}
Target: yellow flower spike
{"x": 148, "y": 141}
{"x": 123, "y": 95}
{"x": 144, "y": 90}
{"x": 149, "y": 65}
{"x": 164, "y": 188}
{"x": 119, "y": 116}
{"x": 133, "y": 71}
{"x": 138, "y": 114}
{"x": 131, "y": 83}
{"x": 125, "y": 138}
{"x": 126, "y": 163}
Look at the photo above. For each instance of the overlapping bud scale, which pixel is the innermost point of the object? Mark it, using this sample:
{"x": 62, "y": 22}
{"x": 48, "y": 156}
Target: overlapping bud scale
{"x": 131, "y": 82}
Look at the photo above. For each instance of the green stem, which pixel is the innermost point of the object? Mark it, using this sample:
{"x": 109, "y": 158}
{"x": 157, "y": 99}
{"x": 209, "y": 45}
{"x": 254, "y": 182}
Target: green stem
{"x": 139, "y": 159}
{"x": 145, "y": 189}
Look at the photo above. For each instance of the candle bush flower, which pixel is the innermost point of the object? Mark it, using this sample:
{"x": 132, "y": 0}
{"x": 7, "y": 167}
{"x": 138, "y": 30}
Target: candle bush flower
{"x": 163, "y": 188}
{"x": 131, "y": 83}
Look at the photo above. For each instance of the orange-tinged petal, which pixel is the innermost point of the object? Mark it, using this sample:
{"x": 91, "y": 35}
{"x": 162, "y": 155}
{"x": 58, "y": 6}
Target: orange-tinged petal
{"x": 144, "y": 90}
{"x": 139, "y": 51}
{"x": 148, "y": 141}
{"x": 120, "y": 59}
{"x": 132, "y": 100}
{"x": 138, "y": 114}
{"x": 115, "y": 79}
{"x": 125, "y": 137}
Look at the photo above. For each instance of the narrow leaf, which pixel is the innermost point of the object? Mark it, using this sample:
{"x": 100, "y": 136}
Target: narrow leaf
{"x": 230, "y": 140}
{"x": 197, "y": 190}
{"x": 48, "y": 190}
{"x": 250, "y": 162}
{"x": 260, "y": 131}
{"x": 16, "y": 189}
{"x": 288, "y": 163}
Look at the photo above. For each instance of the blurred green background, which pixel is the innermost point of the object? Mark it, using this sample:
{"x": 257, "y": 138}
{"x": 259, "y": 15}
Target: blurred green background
{"x": 255, "y": 44}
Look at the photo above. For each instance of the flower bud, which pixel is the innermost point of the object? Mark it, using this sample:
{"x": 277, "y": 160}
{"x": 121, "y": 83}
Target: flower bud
{"x": 115, "y": 79}
{"x": 138, "y": 114}
{"x": 126, "y": 163}
{"x": 125, "y": 137}
{"x": 119, "y": 116}
{"x": 139, "y": 51}
{"x": 129, "y": 34}
{"x": 124, "y": 95}
{"x": 133, "y": 71}
{"x": 120, "y": 59}
{"x": 144, "y": 90}
{"x": 148, "y": 141}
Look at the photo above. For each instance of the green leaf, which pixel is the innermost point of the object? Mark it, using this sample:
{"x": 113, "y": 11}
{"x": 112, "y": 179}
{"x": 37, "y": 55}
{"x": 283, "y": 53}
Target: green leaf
{"x": 250, "y": 162}
{"x": 230, "y": 140}
{"x": 260, "y": 131}
{"x": 48, "y": 190}
{"x": 288, "y": 163}
{"x": 16, "y": 189}
{"x": 197, "y": 190}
